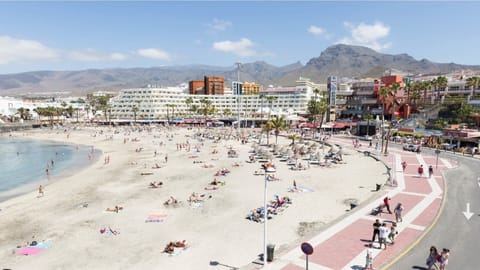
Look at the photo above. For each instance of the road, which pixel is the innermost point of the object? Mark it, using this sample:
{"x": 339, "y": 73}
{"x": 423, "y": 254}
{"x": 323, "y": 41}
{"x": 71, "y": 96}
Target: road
{"x": 452, "y": 229}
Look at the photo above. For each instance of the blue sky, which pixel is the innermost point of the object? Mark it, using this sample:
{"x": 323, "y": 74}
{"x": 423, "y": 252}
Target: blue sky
{"x": 81, "y": 35}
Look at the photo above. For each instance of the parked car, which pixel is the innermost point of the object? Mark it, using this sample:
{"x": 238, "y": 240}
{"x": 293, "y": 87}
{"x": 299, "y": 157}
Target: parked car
{"x": 448, "y": 146}
{"x": 366, "y": 138}
{"x": 410, "y": 147}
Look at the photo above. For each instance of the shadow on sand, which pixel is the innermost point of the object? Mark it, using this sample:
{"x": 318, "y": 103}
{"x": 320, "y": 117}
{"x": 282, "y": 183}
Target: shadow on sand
{"x": 215, "y": 263}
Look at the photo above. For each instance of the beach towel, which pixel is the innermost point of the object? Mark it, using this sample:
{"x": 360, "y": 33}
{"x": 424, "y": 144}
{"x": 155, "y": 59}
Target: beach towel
{"x": 177, "y": 251}
{"x": 155, "y": 217}
{"x": 43, "y": 245}
{"x": 29, "y": 251}
{"x": 196, "y": 205}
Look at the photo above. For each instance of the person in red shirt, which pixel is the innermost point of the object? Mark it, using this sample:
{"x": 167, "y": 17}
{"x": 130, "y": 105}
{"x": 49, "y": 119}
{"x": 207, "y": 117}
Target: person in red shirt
{"x": 420, "y": 171}
{"x": 386, "y": 201}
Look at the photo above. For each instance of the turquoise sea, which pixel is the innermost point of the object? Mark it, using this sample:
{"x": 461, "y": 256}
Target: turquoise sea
{"x": 23, "y": 163}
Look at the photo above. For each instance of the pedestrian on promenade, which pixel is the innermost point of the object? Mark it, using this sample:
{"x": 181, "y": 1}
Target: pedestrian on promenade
{"x": 376, "y": 231}
{"x": 430, "y": 171}
{"x": 369, "y": 257}
{"x": 384, "y": 231}
{"x": 386, "y": 202}
{"x": 398, "y": 212}
{"x": 420, "y": 171}
{"x": 393, "y": 233}
{"x": 443, "y": 259}
{"x": 404, "y": 165}
{"x": 432, "y": 258}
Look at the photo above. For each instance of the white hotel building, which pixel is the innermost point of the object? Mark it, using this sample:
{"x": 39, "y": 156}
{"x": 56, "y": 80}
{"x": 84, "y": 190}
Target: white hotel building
{"x": 152, "y": 102}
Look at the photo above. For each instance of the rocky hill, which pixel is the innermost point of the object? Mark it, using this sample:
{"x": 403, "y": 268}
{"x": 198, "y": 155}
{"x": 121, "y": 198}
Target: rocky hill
{"x": 340, "y": 60}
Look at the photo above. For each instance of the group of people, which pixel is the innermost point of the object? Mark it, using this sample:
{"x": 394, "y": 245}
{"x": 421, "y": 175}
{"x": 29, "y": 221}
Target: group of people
{"x": 170, "y": 247}
{"x": 274, "y": 207}
{"x": 421, "y": 171}
{"x": 440, "y": 259}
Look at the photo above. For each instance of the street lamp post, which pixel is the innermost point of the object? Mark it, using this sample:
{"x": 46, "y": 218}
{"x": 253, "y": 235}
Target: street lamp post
{"x": 238, "y": 94}
{"x": 437, "y": 152}
{"x": 268, "y": 170}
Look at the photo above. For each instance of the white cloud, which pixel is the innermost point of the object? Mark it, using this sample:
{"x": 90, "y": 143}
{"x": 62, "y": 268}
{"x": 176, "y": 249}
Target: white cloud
{"x": 155, "y": 54}
{"x": 22, "y": 50}
{"x": 91, "y": 55}
{"x": 242, "y": 48}
{"x": 367, "y": 35}
{"x": 219, "y": 25}
{"x": 316, "y": 30}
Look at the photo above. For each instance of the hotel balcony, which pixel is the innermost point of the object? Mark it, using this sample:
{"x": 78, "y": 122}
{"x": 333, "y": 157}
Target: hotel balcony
{"x": 369, "y": 101}
{"x": 364, "y": 92}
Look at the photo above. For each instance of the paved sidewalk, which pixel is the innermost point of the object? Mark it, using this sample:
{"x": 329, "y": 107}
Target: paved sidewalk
{"x": 343, "y": 245}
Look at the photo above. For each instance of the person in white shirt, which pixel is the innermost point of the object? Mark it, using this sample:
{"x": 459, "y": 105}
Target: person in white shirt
{"x": 383, "y": 235}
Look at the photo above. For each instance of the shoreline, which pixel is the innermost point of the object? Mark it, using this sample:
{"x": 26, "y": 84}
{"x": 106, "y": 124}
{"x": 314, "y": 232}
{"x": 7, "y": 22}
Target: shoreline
{"x": 205, "y": 227}
{"x": 76, "y": 165}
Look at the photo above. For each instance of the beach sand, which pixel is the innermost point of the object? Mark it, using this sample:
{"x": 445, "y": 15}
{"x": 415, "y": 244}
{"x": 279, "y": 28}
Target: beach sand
{"x": 215, "y": 230}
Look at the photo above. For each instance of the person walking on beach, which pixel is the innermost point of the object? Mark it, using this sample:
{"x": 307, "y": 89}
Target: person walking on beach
{"x": 430, "y": 171}
{"x": 376, "y": 231}
{"x": 369, "y": 257}
{"x": 398, "y": 212}
{"x": 40, "y": 191}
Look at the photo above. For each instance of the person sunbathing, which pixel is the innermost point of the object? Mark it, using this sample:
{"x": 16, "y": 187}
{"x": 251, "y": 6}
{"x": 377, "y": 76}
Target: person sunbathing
{"x": 156, "y": 166}
{"x": 181, "y": 244}
{"x": 155, "y": 184}
{"x": 194, "y": 197}
{"x": 114, "y": 209}
{"x": 170, "y": 201}
{"x": 170, "y": 248}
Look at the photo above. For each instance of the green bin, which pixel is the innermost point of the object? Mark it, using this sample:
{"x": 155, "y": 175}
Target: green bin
{"x": 270, "y": 251}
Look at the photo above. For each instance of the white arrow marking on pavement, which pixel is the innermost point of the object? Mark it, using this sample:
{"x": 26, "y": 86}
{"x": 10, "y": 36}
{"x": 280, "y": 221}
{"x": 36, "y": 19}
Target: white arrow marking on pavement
{"x": 468, "y": 214}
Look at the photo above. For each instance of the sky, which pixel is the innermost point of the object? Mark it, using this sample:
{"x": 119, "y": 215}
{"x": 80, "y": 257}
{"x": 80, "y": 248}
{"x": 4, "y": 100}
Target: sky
{"x": 67, "y": 35}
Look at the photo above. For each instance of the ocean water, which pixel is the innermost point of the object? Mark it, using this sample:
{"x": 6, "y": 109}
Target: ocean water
{"x": 23, "y": 163}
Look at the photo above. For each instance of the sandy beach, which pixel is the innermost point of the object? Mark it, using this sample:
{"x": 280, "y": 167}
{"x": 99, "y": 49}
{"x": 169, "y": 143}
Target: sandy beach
{"x": 72, "y": 213}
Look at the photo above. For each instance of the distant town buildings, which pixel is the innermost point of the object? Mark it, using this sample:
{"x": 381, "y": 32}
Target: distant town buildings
{"x": 347, "y": 98}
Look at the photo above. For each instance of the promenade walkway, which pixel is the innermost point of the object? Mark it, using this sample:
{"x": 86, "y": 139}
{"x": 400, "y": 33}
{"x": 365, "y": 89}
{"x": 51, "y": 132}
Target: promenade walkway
{"x": 343, "y": 245}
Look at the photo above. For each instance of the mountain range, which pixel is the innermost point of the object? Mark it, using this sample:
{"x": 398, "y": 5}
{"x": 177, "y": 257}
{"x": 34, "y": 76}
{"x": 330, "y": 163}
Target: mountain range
{"x": 340, "y": 60}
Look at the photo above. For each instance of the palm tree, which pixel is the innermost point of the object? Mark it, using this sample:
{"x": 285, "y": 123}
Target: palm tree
{"x": 23, "y": 112}
{"x": 322, "y": 108}
{"x": 189, "y": 102}
{"x": 316, "y": 91}
{"x": 261, "y": 97}
{"x": 278, "y": 124}
{"x": 395, "y": 86}
{"x": 473, "y": 83}
{"x": 168, "y": 115}
{"x": 227, "y": 112}
{"x": 270, "y": 100}
{"x": 267, "y": 127}
{"x": 384, "y": 94}
{"x": 293, "y": 137}
{"x": 369, "y": 118}
{"x": 425, "y": 86}
{"x": 441, "y": 83}
{"x": 135, "y": 110}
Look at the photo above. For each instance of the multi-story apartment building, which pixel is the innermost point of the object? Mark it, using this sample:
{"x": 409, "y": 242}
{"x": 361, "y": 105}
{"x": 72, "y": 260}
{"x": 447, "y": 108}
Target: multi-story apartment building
{"x": 210, "y": 85}
{"x": 250, "y": 88}
{"x": 157, "y": 103}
